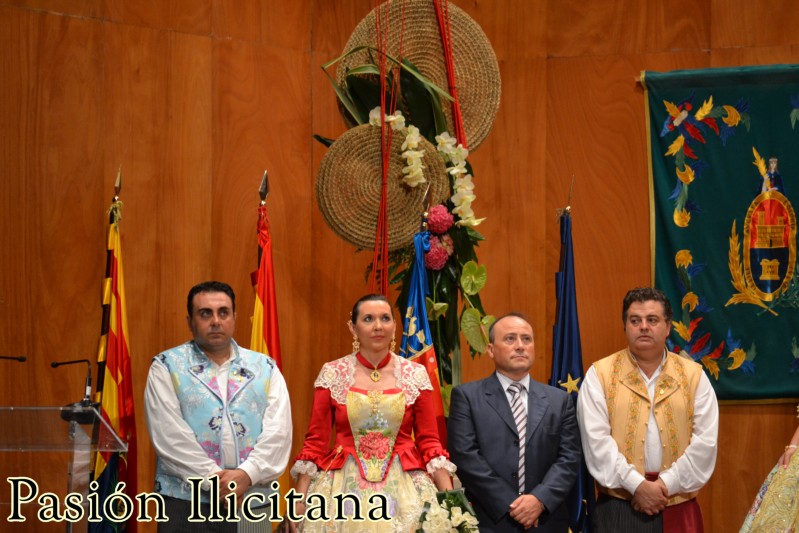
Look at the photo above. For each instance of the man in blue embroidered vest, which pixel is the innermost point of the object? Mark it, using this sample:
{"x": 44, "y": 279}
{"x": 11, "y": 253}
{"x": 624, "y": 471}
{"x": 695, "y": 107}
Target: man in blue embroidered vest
{"x": 649, "y": 422}
{"x": 214, "y": 409}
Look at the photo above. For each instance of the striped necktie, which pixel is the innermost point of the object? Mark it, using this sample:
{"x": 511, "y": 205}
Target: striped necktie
{"x": 520, "y": 416}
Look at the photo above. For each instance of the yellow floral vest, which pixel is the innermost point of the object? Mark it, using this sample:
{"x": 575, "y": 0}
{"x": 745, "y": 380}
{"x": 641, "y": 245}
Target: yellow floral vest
{"x": 629, "y": 407}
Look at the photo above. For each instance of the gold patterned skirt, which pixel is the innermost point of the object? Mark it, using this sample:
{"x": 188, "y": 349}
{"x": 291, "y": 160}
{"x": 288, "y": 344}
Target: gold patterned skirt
{"x": 400, "y": 497}
{"x": 776, "y": 506}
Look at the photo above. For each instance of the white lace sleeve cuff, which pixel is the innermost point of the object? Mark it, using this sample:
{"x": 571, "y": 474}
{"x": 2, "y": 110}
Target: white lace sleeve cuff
{"x": 439, "y": 462}
{"x": 303, "y": 467}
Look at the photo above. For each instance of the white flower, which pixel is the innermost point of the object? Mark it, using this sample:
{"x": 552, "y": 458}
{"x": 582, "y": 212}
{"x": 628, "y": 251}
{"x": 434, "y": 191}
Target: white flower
{"x": 445, "y": 142}
{"x": 463, "y": 183}
{"x": 458, "y": 169}
{"x": 458, "y": 518}
{"x": 413, "y": 171}
{"x": 470, "y": 222}
{"x": 374, "y": 116}
{"x": 414, "y": 155}
{"x": 437, "y": 520}
{"x": 397, "y": 121}
{"x": 412, "y": 139}
{"x": 459, "y": 154}
{"x": 462, "y": 200}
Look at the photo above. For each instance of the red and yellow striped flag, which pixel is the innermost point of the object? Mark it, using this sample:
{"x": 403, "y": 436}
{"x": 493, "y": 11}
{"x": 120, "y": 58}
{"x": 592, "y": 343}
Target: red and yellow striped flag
{"x": 265, "y": 330}
{"x": 114, "y": 390}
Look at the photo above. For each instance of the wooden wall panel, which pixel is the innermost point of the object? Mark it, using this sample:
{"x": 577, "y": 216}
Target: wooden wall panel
{"x": 190, "y": 16}
{"x": 158, "y": 124}
{"x": 626, "y": 27}
{"x": 509, "y": 170}
{"x": 268, "y": 22}
{"x": 740, "y": 23}
{"x": 194, "y": 99}
{"x": 515, "y": 30}
{"x": 50, "y": 105}
{"x": 84, "y": 8}
{"x": 53, "y": 105}
{"x": 264, "y": 122}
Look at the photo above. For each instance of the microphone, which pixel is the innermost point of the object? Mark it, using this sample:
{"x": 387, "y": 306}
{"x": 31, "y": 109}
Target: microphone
{"x": 21, "y": 358}
{"x": 87, "y": 396}
{"x": 79, "y": 412}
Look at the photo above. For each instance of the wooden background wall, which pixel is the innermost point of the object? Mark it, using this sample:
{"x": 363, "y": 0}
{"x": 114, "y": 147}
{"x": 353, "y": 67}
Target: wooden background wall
{"x": 194, "y": 98}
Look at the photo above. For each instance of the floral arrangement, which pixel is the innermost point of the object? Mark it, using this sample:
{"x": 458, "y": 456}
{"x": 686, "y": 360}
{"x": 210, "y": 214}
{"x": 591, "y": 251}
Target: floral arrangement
{"x": 453, "y": 513}
{"x": 454, "y": 275}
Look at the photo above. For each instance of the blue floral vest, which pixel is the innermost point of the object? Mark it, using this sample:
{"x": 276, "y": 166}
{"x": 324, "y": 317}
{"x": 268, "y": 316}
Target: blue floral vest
{"x": 194, "y": 379}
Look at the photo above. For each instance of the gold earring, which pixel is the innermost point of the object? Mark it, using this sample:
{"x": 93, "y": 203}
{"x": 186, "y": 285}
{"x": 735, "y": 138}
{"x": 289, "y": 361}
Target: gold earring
{"x": 393, "y": 345}
{"x": 356, "y": 345}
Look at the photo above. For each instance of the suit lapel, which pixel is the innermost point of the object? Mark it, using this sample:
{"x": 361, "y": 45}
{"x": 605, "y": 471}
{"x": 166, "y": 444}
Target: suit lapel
{"x": 497, "y": 399}
{"x": 537, "y": 405}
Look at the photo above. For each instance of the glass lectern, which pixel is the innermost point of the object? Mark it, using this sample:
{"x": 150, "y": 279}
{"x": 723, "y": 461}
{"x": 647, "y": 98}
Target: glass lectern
{"x": 55, "y": 448}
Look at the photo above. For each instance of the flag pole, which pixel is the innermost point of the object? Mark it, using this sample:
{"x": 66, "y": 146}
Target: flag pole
{"x": 263, "y": 192}
{"x": 114, "y": 469}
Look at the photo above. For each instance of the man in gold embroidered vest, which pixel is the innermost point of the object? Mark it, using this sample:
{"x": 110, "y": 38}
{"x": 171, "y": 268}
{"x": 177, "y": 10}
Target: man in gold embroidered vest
{"x": 649, "y": 424}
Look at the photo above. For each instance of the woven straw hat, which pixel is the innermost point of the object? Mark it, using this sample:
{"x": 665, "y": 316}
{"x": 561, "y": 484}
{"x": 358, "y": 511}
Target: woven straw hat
{"x": 348, "y": 187}
{"x": 476, "y": 68}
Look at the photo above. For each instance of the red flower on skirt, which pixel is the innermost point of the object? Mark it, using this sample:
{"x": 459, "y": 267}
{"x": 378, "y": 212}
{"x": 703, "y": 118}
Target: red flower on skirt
{"x": 373, "y": 445}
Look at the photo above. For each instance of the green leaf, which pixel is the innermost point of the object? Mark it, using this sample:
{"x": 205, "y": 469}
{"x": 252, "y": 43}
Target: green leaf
{"x": 343, "y": 97}
{"x": 324, "y": 140}
{"x": 472, "y": 329}
{"x": 473, "y": 278}
{"x": 446, "y": 395}
{"x": 364, "y": 94}
{"x": 369, "y": 68}
{"x": 410, "y": 67}
{"x": 416, "y": 104}
{"x": 438, "y": 115}
{"x": 435, "y": 310}
{"x": 474, "y": 235}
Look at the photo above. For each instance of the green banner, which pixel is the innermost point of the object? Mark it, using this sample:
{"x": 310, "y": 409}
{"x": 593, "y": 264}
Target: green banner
{"x": 724, "y": 177}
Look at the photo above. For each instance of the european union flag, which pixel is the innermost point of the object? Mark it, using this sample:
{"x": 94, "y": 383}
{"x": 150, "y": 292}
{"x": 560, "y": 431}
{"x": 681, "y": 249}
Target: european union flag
{"x": 567, "y": 367}
{"x": 417, "y": 341}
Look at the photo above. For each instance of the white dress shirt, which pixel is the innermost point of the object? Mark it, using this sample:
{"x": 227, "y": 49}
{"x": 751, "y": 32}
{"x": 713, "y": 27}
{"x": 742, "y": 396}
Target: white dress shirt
{"x": 505, "y": 381}
{"x": 608, "y": 465}
{"x": 177, "y": 446}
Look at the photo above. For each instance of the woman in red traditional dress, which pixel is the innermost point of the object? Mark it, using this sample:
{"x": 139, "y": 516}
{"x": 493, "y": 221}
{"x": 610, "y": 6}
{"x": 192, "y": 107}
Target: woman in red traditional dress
{"x": 387, "y": 453}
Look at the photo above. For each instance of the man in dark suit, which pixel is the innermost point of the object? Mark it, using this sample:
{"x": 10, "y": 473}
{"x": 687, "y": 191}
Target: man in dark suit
{"x": 514, "y": 488}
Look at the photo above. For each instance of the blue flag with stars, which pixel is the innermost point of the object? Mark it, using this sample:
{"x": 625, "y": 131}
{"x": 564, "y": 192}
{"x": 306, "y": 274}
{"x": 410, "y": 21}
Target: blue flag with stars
{"x": 567, "y": 367}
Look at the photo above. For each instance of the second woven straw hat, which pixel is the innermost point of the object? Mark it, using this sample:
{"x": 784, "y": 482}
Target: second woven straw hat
{"x": 349, "y": 181}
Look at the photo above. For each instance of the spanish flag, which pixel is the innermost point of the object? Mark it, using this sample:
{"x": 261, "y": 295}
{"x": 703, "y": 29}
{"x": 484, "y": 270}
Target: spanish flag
{"x": 265, "y": 330}
{"x": 114, "y": 390}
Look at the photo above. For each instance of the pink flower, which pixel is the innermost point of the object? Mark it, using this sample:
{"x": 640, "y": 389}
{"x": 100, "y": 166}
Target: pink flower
{"x": 373, "y": 444}
{"x": 437, "y": 257}
{"x": 439, "y": 220}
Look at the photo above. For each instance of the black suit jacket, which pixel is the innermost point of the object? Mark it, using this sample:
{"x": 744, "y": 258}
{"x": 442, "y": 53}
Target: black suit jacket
{"x": 484, "y": 445}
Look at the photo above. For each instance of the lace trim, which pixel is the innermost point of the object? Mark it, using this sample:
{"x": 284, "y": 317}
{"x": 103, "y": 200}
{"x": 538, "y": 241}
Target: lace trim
{"x": 439, "y": 462}
{"x": 305, "y": 467}
{"x": 413, "y": 379}
{"x": 338, "y": 376}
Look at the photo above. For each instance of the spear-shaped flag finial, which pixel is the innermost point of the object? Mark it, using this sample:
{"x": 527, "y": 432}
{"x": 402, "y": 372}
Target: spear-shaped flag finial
{"x": 263, "y": 190}
{"x": 118, "y": 183}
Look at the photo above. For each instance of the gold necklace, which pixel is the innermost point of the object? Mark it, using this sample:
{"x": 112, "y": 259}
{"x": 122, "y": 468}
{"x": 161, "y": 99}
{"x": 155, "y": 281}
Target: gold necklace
{"x": 375, "y": 375}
